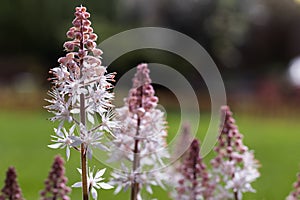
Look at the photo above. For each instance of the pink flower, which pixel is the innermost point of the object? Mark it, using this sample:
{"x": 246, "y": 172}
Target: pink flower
{"x": 55, "y": 184}
{"x": 11, "y": 189}
{"x": 141, "y": 139}
{"x": 234, "y": 167}
{"x": 195, "y": 180}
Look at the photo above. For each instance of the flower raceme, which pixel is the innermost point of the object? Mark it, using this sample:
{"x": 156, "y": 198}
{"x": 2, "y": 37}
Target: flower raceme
{"x": 80, "y": 72}
{"x": 234, "y": 167}
{"x": 194, "y": 180}
{"x": 80, "y": 96}
{"x": 55, "y": 184}
{"x": 141, "y": 140}
{"x": 11, "y": 189}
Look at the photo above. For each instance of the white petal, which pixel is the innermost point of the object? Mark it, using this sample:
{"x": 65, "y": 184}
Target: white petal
{"x": 75, "y": 111}
{"x": 55, "y": 146}
{"x": 75, "y": 142}
{"x": 94, "y": 193}
{"x": 58, "y": 132}
{"x": 77, "y": 185}
{"x": 105, "y": 186}
{"x": 79, "y": 170}
{"x": 91, "y": 118}
{"x": 83, "y": 90}
{"x": 149, "y": 189}
{"x": 72, "y": 129}
{"x": 89, "y": 153}
{"x": 118, "y": 189}
{"x": 68, "y": 152}
{"x": 100, "y": 173}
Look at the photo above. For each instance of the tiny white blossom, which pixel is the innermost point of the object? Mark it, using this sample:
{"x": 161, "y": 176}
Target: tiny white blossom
{"x": 59, "y": 107}
{"x": 107, "y": 123}
{"x": 94, "y": 182}
{"x": 91, "y": 139}
{"x": 63, "y": 140}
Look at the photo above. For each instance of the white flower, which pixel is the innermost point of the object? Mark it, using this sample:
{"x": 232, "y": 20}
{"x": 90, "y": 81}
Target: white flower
{"x": 63, "y": 139}
{"x": 94, "y": 182}
{"x": 59, "y": 107}
{"x": 91, "y": 139}
{"x": 107, "y": 123}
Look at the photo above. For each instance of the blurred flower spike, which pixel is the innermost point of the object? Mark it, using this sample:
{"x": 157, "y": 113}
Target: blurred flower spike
{"x": 234, "y": 167}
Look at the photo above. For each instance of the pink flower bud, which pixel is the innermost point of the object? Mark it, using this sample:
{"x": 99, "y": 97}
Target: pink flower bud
{"x": 78, "y": 9}
{"x": 82, "y": 53}
{"x": 93, "y": 36}
{"x": 62, "y": 60}
{"x": 70, "y": 34}
{"x": 83, "y": 9}
{"x": 76, "y": 23}
{"x": 90, "y": 44}
{"x": 78, "y": 35}
{"x": 87, "y": 15}
{"x": 87, "y": 23}
{"x": 86, "y": 36}
{"x": 90, "y": 30}
{"x": 85, "y": 29}
{"x": 69, "y": 46}
{"x": 97, "y": 52}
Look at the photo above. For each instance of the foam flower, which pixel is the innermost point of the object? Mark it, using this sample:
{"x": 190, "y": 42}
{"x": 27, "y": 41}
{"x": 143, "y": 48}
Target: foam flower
{"x": 140, "y": 142}
{"x": 64, "y": 139}
{"x": 55, "y": 184}
{"x": 11, "y": 189}
{"x": 234, "y": 167}
{"x": 81, "y": 74}
{"x": 94, "y": 182}
{"x": 194, "y": 182}
{"x": 81, "y": 95}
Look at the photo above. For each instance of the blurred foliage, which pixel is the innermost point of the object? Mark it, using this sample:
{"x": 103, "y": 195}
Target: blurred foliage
{"x": 38, "y": 26}
{"x": 235, "y": 32}
{"x": 250, "y": 40}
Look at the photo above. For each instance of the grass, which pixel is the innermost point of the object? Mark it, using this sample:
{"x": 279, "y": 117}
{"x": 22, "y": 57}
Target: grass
{"x": 24, "y": 137}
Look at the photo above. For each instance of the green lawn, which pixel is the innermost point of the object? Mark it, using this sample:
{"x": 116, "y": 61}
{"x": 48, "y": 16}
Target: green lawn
{"x": 24, "y": 137}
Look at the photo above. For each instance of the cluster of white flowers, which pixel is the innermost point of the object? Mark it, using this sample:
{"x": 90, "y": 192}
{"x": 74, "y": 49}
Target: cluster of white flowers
{"x": 234, "y": 167}
{"x": 81, "y": 75}
{"x": 80, "y": 96}
{"x": 141, "y": 141}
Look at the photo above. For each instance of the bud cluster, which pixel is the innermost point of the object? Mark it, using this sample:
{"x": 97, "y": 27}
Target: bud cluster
{"x": 55, "y": 184}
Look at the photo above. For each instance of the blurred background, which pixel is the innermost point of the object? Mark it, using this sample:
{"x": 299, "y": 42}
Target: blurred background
{"x": 255, "y": 44}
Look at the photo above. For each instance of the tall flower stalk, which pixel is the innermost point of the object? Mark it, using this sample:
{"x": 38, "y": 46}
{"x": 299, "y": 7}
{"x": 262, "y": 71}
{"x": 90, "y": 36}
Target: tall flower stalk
{"x": 142, "y": 138}
{"x": 55, "y": 184}
{"x": 194, "y": 182}
{"x": 11, "y": 189}
{"x": 80, "y": 95}
{"x": 234, "y": 167}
